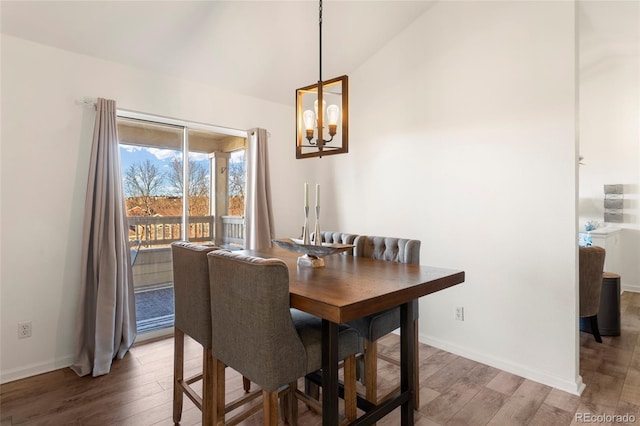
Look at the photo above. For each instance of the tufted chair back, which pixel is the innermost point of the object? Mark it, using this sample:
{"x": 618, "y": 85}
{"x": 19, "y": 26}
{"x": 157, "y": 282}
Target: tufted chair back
{"x": 388, "y": 248}
{"x": 591, "y": 266}
{"x": 338, "y": 238}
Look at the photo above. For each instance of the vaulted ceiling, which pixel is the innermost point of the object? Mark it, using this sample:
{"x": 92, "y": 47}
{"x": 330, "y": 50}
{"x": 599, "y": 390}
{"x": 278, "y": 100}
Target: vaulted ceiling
{"x": 261, "y": 48}
{"x": 265, "y": 49}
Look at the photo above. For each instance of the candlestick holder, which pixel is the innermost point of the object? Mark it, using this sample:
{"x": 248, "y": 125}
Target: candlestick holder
{"x": 305, "y": 229}
{"x": 317, "y": 238}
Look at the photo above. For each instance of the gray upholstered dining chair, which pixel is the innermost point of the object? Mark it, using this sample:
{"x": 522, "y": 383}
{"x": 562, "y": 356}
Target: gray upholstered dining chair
{"x": 256, "y": 333}
{"x": 193, "y": 318}
{"x": 375, "y": 326}
{"x": 591, "y": 266}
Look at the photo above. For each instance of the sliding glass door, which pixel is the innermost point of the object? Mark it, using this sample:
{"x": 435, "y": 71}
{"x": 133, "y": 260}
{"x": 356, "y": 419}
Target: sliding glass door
{"x": 169, "y": 199}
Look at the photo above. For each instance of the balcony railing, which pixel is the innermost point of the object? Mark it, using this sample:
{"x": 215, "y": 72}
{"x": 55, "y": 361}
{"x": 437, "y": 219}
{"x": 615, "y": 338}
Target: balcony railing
{"x": 152, "y": 266}
{"x": 163, "y": 230}
{"x": 233, "y": 230}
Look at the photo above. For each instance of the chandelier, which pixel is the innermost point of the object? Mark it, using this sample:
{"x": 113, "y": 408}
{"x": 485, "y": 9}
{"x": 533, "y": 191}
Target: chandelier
{"x": 312, "y": 112}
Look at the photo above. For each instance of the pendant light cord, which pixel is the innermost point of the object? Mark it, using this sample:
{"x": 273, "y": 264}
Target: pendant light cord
{"x": 320, "y": 118}
{"x": 320, "y": 41}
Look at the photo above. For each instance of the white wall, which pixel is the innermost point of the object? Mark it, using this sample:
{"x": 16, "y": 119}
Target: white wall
{"x": 46, "y": 142}
{"x": 463, "y": 136}
{"x": 610, "y": 122}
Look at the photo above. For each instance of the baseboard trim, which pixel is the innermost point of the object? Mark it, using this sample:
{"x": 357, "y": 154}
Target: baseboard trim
{"x": 630, "y": 287}
{"x": 35, "y": 369}
{"x": 574, "y": 387}
{"x": 63, "y": 362}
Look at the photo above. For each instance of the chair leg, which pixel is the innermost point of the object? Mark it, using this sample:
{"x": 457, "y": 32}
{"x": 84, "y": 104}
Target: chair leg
{"x": 293, "y": 407}
{"x": 313, "y": 390}
{"x": 371, "y": 370}
{"x": 270, "y": 407}
{"x": 289, "y": 405}
{"x": 208, "y": 386}
{"x": 594, "y": 328}
{"x": 178, "y": 373}
{"x": 350, "y": 397}
{"x": 285, "y": 408}
{"x": 218, "y": 373}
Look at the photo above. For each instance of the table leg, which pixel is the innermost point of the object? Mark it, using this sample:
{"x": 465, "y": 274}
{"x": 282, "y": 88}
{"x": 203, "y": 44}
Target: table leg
{"x": 330, "y": 373}
{"x": 408, "y": 363}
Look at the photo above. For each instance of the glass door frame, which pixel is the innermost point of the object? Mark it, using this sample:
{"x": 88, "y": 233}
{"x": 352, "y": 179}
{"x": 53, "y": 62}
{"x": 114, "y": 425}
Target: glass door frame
{"x": 186, "y": 126}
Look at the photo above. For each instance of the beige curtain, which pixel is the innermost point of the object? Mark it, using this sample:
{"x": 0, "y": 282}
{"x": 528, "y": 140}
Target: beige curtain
{"x": 106, "y": 323}
{"x": 258, "y": 220}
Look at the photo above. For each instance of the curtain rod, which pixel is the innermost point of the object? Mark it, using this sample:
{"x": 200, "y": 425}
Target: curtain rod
{"x": 88, "y": 101}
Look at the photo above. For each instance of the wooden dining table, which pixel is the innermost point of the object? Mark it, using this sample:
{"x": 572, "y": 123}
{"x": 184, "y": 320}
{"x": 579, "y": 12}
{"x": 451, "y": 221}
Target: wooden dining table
{"x": 350, "y": 287}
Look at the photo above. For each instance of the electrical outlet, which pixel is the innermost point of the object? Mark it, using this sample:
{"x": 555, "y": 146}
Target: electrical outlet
{"x": 24, "y": 329}
{"x": 459, "y": 314}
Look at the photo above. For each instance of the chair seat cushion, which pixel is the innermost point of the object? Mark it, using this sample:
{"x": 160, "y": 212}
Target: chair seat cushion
{"x": 373, "y": 327}
{"x": 309, "y": 328}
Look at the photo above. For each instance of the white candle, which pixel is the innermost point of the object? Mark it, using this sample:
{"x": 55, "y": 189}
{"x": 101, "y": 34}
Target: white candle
{"x": 306, "y": 194}
{"x": 317, "y": 195}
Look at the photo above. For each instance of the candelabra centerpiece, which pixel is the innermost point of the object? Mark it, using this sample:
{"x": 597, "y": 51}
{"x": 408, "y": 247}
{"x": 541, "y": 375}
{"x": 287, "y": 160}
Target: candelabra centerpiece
{"x": 313, "y": 249}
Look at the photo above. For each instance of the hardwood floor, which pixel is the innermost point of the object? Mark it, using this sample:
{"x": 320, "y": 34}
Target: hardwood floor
{"x": 453, "y": 390}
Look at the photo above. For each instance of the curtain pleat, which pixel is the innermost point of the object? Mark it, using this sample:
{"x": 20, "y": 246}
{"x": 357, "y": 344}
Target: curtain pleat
{"x": 106, "y": 323}
{"x": 258, "y": 213}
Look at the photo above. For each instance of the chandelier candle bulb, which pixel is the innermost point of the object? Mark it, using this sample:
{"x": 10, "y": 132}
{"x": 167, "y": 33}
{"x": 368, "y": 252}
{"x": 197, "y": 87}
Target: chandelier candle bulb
{"x": 309, "y": 120}
{"x": 332, "y": 117}
{"x": 315, "y": 106}
{"x": 317, "y": 195}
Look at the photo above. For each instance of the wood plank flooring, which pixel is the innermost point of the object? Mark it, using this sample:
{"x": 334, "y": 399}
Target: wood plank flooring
{"x": 453, "y": 390}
